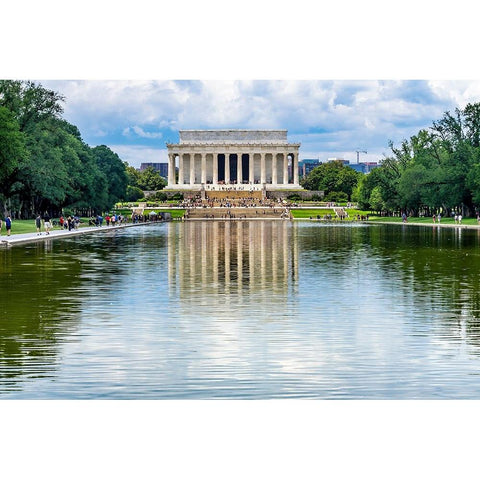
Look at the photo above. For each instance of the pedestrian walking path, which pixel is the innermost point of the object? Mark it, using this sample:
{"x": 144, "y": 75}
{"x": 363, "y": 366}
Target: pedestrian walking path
{"x": 18, "y": 238}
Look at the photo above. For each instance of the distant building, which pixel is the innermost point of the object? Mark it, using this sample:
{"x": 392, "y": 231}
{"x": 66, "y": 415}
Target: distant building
{"x": 161, "y": 168}
{"x": 364, "y": 167}
{"x": 335, "y": 159}
{"x": 306, "y": 165}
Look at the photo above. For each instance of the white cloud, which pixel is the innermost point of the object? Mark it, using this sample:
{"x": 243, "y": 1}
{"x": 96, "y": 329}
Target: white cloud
{"x": 140, "y": 132}
{"x": 136, "y": 155}
{"x": 323, "y": 115}
{"x": 458, "y": 92}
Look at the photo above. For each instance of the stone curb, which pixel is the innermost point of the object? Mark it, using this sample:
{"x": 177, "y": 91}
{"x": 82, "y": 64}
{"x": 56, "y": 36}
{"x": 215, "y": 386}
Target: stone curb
{"x": 23, "y": 238}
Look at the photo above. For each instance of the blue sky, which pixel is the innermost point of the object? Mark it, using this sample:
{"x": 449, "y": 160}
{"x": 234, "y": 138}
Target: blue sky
{"x": 330, "y": 118}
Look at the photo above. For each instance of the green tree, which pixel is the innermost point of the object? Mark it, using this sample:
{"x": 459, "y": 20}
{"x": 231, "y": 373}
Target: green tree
{"x": 376, "y": 200}
{"x": 411, "y": 188}
{"x": 347, "y": 180}
{"x": 113, "y": 169}
{"x": 150, "y": 179}
{"x": 29, "y": 102}
{"x": 133, "y": 193}
{"x": 133, "y": 175}
{"x": 45, "y": 165}
{"x": 332, "y": 177}
{"x": 379, "y": 177}
{"x": 12, "y": 152}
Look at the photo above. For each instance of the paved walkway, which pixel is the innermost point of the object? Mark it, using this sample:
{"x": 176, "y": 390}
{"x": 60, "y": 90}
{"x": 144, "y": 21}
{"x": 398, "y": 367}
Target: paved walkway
{"x": 423, "y": 224}
{"x": 34, "y": 237}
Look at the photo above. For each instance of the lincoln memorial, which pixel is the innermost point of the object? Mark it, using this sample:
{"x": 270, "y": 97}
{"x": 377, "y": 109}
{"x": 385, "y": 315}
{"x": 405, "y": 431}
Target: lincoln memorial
{"x": 236, "y": 159}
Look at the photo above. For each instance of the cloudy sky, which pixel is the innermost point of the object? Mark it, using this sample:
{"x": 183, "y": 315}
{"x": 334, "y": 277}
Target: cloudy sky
{"x": 372, "y": 74}
{"x": 330, "y": 118}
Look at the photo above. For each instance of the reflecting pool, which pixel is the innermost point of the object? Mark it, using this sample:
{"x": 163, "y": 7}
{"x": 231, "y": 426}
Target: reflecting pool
{"x": 243, "y": 310}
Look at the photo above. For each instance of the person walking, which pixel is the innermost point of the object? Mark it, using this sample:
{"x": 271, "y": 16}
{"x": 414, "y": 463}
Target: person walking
{"x": 38, "y": 223}
{"x": 8, "y": 225}
{"x": 46, "y": 221}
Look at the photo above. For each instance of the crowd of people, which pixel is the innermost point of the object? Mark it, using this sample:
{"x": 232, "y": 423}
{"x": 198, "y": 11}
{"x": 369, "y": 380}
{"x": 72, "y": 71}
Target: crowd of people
{"x": 97, "y": 221}
{"x": 234, "y": 187}
{"x": 44, "y": 223}
{"x": 226, "y": 202}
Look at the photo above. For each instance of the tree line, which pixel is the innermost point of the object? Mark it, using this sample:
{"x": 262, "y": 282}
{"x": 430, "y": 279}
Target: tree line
{"x": 45, "y": 166}
{"x": 436, "y": 170}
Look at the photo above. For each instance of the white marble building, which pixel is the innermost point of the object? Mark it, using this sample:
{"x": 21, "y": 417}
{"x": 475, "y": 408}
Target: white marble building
{"x": 237, "y": 159}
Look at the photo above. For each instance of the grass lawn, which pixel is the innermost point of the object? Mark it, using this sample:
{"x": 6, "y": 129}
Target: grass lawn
{"x": 28, "y": 226}
{"x": 176, "y": 213}
{"x": 426, "y": 220}
{"x": 313, "y": 212}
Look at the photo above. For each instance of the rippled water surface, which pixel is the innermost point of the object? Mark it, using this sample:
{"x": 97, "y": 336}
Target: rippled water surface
{"x": 245, "y": 310}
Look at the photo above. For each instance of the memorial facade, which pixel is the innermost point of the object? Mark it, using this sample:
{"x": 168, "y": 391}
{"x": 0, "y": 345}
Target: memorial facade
{"x": 236, "y": 159}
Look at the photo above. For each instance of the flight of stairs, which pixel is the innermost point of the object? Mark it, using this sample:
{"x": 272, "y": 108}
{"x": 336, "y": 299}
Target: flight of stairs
{"x": 237, "y": 213}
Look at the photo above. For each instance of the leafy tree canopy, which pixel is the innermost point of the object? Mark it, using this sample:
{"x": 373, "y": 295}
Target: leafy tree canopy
{"x": 150, "y": 179}
{"x": 332, "y": 177}
{"x": 44, "y": 163}
{"x": 436, "y": 170}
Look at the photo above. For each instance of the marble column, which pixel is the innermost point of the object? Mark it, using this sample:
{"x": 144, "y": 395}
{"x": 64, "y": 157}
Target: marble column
{"x": 171, "y": 168}
{"x": 262, "y": 168}
{"x": 295, "y": 168}
{"x": 274, "y": 169}
{"x": 251, "y": 170}
{"x": 192, "y": 168}
{"x": 227, "y": 168}
{"x": 204, "y": 168}
{"x": 215, "y": 168}
{"x": 285, "y": 168}
{"x": 239, "y": 169}
{"x": 180, "y": 169}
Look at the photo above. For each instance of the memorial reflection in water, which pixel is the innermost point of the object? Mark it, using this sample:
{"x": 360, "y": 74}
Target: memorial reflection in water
{"x": 212, "y": 262}
{"x": 246, "y": 309}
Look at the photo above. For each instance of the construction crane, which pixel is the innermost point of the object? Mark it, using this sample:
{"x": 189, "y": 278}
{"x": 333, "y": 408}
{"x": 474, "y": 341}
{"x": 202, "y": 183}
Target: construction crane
{"x": 358, "y": 154}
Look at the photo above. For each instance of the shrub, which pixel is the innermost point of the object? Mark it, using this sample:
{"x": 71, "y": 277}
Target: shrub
{"x": 336, "y": 197}
{"x": 133, "y": 193}
{"x": 295, "y": 197}
{"x": 159, "y": 196}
